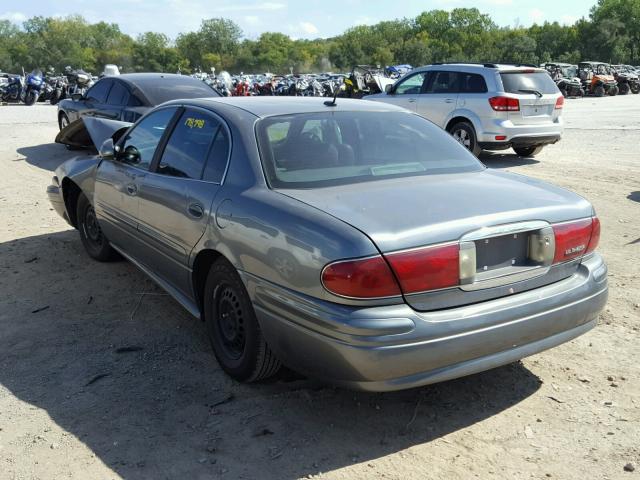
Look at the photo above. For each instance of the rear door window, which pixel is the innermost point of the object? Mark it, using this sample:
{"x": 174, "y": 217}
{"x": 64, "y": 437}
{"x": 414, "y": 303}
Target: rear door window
{"x": 119, "y": 95}
{"x": 443, "y": 82}
{"x": 188, "y": 147}
{"x": 218, "y": 157}
{"x": 472, "y": 83}
{"x": 99, "y": 92}
{"x": 524, "y": 82}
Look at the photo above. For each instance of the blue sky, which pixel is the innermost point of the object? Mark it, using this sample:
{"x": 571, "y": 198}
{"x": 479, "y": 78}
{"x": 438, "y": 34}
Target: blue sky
{"x": 296, "y": 18}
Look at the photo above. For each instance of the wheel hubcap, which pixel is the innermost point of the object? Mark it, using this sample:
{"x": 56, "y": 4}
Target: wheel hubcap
{"x": 91, "y": 227}
{"x": 463, "y": 137}
{"x": 231, "y": 322}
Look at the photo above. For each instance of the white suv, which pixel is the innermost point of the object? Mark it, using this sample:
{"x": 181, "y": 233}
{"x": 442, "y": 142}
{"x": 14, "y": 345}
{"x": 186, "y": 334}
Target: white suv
{"x": 484, "y": 106}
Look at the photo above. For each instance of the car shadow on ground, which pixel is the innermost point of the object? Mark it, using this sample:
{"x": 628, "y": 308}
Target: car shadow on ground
{"x": 133, "y": 377}
{"x": 49, "y": 156}
{"x": 634, "y": 196}
{"x": 505, "y": 160}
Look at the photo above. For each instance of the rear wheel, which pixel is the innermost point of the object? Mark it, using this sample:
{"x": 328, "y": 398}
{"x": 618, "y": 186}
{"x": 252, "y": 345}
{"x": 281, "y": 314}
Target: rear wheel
{"x": 564, "y": 93}
{"x": 599, "y": 91}
{"x": 624, "y": 88}
{"x": 465, "y": 134}
{"x": 635, "y": 88}
{"x": 233, "y": 329}
{"x": 63, "y": 120}
{"x": 614, "y": 91}
{"x": 94, "y": 241}
{"x": 528, "y": 151}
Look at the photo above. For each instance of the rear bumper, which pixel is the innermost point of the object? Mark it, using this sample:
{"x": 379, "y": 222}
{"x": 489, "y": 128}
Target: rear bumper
{"x": 396, "y": 347}
{"x": 519, "y": 135}
{"x": 522, "y": 141}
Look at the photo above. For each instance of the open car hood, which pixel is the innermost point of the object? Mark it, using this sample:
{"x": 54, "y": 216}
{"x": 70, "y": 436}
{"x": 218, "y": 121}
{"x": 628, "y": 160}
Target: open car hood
{"x": 91, "y": 132}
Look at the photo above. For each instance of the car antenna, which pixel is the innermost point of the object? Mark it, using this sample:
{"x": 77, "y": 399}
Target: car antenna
{"x": 332, "y": 103}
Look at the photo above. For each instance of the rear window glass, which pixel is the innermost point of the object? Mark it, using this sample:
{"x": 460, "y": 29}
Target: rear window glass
{"x": 162, "y": 90}
{"x": 527, "y": 82}
{"x": 338, "y": 148}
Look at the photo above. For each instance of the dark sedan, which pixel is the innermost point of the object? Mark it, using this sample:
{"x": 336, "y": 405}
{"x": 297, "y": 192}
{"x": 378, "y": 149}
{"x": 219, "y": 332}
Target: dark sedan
{"x": 127, "y": 97}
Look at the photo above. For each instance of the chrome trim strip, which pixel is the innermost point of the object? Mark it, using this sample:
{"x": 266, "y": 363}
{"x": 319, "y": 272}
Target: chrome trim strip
{"x": 506, "y": 229}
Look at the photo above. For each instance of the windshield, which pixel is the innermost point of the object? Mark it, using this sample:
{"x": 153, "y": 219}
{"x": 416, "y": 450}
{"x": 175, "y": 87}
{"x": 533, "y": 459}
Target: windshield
{"x": 36, "y": 72}
{"x": 570, "y": 71}
{"x": 338, "y": 148}
{"x": 516, "y": 82}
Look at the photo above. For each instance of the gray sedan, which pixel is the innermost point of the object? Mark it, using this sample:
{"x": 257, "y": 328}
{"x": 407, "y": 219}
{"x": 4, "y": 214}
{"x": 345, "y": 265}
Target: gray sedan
{"x": 357, "y": 242}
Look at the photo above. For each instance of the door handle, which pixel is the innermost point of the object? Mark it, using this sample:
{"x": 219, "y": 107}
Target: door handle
{"x": 412, "y": 100}
{"x": 448, "y": 100}
{"x": 195, "y": 210}
{"x": 132, "y": 189}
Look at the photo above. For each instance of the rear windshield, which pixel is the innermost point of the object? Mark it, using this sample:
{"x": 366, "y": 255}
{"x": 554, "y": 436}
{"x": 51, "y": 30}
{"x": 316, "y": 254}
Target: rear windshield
{"x": 526, "y": 82}
{"x": 162, "y": 90}
{"x": 338, "y": 148}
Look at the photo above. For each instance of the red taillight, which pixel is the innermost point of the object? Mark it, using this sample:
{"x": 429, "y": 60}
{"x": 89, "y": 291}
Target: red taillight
{"x": 426, "y": 268}
{"x": 575, "y": 239}
{"x": 505, "y": 104}
{"x": 560, "y": 103}
{"x": 361, "y": 278}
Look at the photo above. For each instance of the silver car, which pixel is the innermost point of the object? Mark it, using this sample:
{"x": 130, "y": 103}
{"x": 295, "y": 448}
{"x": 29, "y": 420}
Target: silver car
{"x": 356, "y": 242}
{"x": 484, "y": 106}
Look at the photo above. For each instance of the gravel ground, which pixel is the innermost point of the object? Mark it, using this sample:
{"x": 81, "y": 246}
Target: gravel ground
{"x": 103, "y": 376}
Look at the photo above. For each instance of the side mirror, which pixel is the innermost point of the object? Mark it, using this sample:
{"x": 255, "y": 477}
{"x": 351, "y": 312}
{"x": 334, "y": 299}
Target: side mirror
{"x": 107, "y": 149}
{"x": 76, "y": 96}
{"x": 388, "y": 89}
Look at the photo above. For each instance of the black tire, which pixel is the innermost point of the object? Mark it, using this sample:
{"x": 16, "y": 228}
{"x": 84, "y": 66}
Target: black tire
{"x": 55, "y": 98}
{"x": 624, "y": 89}
{"x": 233, "y": 329}
{"x": 564, "y": 92}
{"x": 528, "y": 151}
{"x": 613, "y": 91}
{"x": 635, "y": 89}
{"x": 599, "y": 91}
{"x": 31, "y": 98}
{"x": 63, "y": 120}
{"x": 94, "y": 241}
{"x": 465, "y": 134}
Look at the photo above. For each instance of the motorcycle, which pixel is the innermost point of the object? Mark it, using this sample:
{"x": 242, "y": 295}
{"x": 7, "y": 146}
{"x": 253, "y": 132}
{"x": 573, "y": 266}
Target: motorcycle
{"x": 59, "y": 85}
{"x": 78, "y": 81}
{"x": 34, "y": 84}
{"x": 13, "y": 90}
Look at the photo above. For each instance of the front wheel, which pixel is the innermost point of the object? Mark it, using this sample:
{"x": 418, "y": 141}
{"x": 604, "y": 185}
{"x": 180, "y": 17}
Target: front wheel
{"x": 613, "y": 91}
{"x": 93, "y": 240}
{"x": 465, "y": 134}
{"x": 31, "y": 98}
{"x": 599, "y": 91}
{"x": 635, "y": 88}
{"x": 624, "y": 88}
{"x": 233, "y": 328}
{"x": 527, "y": 151}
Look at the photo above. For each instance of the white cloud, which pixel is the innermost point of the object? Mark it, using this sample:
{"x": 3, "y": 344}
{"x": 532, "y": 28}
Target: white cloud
{"x": 536, "y": 15}
{"x": 265, "y": 6}
{"x": 15, "y": 17}
{"x": 252, "y": 20}
{"x": 308, "y": 28}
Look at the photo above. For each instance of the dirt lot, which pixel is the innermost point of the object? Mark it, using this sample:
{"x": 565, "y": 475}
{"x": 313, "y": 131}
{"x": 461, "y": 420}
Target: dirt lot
{"x": 98, "y": 381}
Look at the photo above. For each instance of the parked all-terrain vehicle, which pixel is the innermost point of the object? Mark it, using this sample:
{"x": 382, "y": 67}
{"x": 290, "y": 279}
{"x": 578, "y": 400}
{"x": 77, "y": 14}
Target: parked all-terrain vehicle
{"x": 566, "y": 77}
{"x": 597, "y": 79}
{"x": 366, "y": 80}
{"x": 627, "y": 79}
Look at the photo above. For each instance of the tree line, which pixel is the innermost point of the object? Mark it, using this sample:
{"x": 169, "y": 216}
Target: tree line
{"x": 611, "y": 33}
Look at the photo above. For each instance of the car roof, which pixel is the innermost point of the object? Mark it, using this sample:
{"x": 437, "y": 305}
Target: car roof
{"x": 500, "y": 67}
{"x": 265, "y": 106}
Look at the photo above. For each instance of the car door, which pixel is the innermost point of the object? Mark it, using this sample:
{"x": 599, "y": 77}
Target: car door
{"x": 96, "y": 97}
{"x": 177, "y": 194}
{"x": 439, "y": 97}
{"x": 406, "y": 92}
{"x": 117, "y": 180}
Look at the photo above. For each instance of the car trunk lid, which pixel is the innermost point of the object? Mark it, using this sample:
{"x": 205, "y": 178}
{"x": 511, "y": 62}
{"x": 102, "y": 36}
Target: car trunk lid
{"x": 498, "y": 213}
